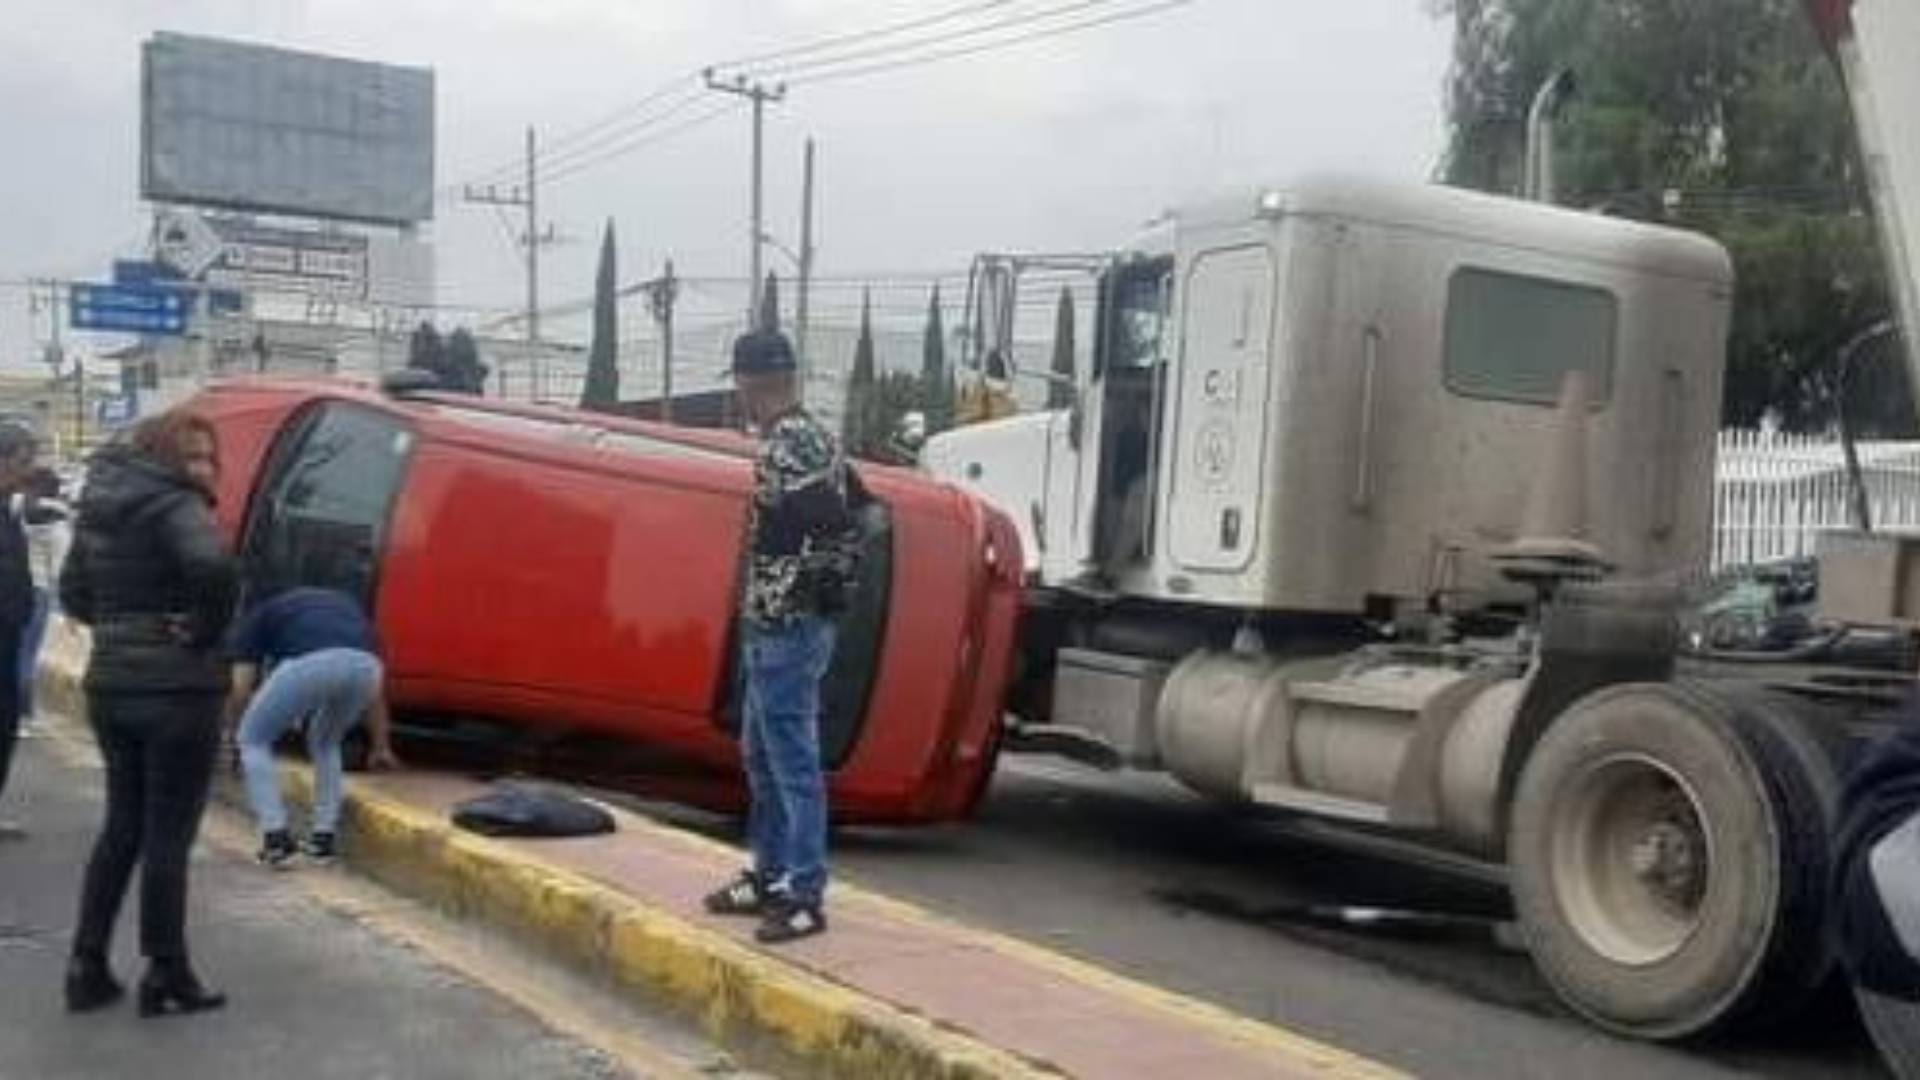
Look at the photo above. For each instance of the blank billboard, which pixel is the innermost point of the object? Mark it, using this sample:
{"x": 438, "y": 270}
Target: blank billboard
{"x": 248, "y": 127}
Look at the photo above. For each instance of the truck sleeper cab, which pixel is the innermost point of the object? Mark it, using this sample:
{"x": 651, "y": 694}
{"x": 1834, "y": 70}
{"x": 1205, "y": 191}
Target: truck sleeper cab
{"x": 580, "y": 575}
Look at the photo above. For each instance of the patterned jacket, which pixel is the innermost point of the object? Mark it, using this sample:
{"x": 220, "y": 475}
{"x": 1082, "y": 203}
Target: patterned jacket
{"x": 803, "y": 540}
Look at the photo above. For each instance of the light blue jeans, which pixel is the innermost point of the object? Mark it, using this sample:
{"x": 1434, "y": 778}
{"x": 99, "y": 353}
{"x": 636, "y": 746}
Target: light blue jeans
{"x": 780, "y": 739}
{"x": 330, "y": 690}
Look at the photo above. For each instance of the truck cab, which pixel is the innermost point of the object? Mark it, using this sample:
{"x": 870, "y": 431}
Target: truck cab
{"x": 1330, "y": 397}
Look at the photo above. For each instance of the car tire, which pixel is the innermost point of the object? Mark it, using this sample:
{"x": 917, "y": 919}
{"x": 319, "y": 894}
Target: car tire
{"x": 1669, "y": 852}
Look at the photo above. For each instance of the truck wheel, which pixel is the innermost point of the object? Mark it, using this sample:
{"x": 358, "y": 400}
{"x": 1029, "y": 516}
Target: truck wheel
{"x": 1669, "y": 855}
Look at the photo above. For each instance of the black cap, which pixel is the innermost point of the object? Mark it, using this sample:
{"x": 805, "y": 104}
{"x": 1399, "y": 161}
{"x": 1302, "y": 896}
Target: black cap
{"x": 762, "y": 352}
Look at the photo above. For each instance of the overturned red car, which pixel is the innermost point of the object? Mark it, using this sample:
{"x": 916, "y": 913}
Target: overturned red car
{"x": 577, "y": 574}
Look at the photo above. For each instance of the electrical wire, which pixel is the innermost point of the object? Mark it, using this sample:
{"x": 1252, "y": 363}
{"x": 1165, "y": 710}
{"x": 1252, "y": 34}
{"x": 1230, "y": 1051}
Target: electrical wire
{"x": 854, "y": 37}
{"x": 583, "y": 138}
{"x": 652, "y": 139}
{"x": 860, "y": 71}
{"x": 628, "y": 132}
{"x": 1013, "y": 21}
{"x": 616, "y": 133}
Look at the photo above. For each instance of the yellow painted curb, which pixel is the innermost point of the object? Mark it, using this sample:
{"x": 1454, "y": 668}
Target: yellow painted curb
{"x": 744, "y": 998}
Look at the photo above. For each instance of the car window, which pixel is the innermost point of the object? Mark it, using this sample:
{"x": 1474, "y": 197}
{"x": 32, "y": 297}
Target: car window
{"x": 322, "y": 519}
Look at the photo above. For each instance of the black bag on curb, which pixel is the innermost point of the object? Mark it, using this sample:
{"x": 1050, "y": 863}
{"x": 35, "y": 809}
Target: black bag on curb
{"x": 530, "y": 810}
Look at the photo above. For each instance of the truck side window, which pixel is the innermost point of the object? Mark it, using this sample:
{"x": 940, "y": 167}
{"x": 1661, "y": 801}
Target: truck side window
{"x": 322, "y": 516}
{"x": 1511, "y": 338}
{"x": 1140, "y": 315}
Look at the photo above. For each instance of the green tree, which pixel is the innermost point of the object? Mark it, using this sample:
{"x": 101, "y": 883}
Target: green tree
{"x": 424, "y": 348}
{"x": 1060, "y": 391}
{"x": 894, "y": 396}
{"x": 857, "y": 433}
{"x": 602, "y": 389}
{"x": 461, "y": 369}
{"x": 454, "y": 361}
{"x": 936, "y": 380}
{"x": 1716, "y": 115}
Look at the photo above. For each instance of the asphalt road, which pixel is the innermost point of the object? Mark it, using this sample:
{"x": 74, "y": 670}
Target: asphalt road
{"x": 1135, "y": 874}
{"x": 330, "y": 979}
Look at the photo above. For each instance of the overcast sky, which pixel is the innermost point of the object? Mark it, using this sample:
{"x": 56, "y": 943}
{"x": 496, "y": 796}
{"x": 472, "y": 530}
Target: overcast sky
{"x": 1066, "y": 143}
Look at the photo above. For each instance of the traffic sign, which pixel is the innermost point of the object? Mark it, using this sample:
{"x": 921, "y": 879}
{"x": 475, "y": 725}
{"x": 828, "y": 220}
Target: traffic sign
{"x": 149, "y": 272}
{"x": 187, "y": 242}
{"x": 143, "y": 272}
{"x": 114, "y": 411}
{"x": 137, "y": 309}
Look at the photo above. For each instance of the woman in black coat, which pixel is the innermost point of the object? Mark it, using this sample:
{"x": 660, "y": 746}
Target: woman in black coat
{"x": 149, "y": 573}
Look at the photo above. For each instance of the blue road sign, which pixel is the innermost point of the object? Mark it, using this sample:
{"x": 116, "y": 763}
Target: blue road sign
{"x": 151, "y": 272}
{"x": 142, "y": 272}
{"x": 136, "y": 309}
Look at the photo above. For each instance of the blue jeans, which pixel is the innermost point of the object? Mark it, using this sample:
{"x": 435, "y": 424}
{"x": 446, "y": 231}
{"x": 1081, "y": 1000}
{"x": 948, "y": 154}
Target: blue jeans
{"x": 30, "y": 638}
{"x": 330, "y": 690}
{"x": 780, "y": 739}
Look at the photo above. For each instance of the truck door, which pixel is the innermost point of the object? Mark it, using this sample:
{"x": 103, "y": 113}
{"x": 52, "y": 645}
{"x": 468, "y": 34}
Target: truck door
{"x": 1121, "y": 418}
{"x": 1219, "y": 437}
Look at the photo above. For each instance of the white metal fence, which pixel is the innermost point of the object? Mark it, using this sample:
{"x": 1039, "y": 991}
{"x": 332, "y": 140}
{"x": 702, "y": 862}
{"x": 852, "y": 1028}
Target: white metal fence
{"x": 1774, "y": 493}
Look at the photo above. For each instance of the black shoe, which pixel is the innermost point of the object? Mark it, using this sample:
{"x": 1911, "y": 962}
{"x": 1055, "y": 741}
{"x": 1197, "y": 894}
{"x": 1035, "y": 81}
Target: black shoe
{"x": 91, "y": 985}
{"x": 277, "y": 850}
{"x": 790, "y": 920}
{"x": 321, "y": 849}
{"x": 744, "y": 895}
{"x": 173, "y": 988}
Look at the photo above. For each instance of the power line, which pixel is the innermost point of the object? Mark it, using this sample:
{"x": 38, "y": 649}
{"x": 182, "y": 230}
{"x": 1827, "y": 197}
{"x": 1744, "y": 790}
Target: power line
{"x": 859, "y": 71}
{"x": 630, "y": 130}
{"x": 1025, "y": 18}
{"x": 654, "y": 138}
{"x": 621, "y": 126}
{"x": 820, "y": 44}
{"x": 578, "y": 140}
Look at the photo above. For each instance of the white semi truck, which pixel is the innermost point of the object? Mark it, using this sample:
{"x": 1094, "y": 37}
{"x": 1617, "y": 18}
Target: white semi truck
{"x": 1378, "y": 503}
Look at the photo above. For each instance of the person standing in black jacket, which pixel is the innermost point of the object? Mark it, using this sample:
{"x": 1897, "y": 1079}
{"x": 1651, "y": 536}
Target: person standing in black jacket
{"x": 16, "y": 595}
{"x": 149, "y": 573}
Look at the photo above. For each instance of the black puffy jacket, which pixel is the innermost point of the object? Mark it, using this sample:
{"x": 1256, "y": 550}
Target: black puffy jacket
{"x": 149, "y": 573}
{"x": 1882, "y": 794}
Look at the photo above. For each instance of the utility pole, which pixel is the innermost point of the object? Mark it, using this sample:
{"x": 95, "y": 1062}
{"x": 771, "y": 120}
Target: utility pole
{"x": 806, "y": 268}
{"x": 661, "y": 294}
{"x": 759, "y": 94}
{"x": 56, "y": 359}
{"x": 528, "y": 199}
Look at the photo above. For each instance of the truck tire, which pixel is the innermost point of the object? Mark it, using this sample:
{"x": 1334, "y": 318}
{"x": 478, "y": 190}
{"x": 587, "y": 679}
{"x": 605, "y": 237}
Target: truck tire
{"x": 1669, "y": 854}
